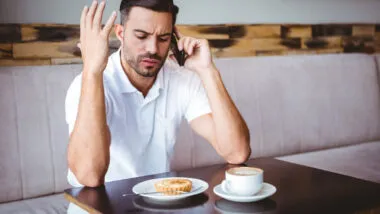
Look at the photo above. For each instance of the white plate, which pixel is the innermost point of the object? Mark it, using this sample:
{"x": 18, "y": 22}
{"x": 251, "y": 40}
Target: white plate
{"x": 148, "y": 186}
{"x": 267, "y": 191}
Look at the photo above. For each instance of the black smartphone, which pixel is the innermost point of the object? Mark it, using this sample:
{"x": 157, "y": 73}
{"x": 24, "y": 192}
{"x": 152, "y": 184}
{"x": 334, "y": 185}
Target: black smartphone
{"x": 179, "y": 55}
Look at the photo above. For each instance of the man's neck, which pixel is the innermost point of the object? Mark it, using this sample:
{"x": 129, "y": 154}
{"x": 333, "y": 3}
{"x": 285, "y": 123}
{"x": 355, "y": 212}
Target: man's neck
{"x": 143, "y": 84}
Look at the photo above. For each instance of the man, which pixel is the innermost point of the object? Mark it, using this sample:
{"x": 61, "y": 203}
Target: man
{"x": 123, "y": 110}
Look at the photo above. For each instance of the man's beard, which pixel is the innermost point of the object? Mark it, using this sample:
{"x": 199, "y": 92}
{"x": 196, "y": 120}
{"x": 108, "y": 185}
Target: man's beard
{"x": 134, "y": 63}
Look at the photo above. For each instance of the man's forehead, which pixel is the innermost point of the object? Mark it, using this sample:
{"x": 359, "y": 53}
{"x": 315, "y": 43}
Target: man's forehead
{"x": 149, "y": 21}
{"x": 144, "y": 14}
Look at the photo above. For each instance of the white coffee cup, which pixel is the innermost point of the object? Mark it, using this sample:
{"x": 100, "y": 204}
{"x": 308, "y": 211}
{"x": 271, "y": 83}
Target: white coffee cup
{"x": 243, "y": 181}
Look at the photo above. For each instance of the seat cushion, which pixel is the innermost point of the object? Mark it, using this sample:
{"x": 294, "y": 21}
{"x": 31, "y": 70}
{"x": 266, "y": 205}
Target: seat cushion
{"x": 43, "y": 205}
{"x": 360, "y": 161}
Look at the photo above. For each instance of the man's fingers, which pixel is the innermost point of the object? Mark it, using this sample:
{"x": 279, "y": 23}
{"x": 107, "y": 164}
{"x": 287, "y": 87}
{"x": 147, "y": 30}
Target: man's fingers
{"x": 83, "y": 21}
{"x": 111, "y": 20}
{"x": 172, "y": 57}
{"x": 193, "y": 45}
{"x": 99, "y": 15}
{"x": 90, "y": 14}
{"x": 181, "y": 43}
{"x": 186, "y": 44}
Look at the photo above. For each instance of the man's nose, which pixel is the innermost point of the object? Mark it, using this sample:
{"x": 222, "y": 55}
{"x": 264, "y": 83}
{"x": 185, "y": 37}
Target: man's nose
{"x": 151, "y": 47}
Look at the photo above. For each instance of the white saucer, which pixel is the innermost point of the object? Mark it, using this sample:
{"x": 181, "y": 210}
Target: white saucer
{"x": 148, "y": 186}
{"x": 267, "y": 191}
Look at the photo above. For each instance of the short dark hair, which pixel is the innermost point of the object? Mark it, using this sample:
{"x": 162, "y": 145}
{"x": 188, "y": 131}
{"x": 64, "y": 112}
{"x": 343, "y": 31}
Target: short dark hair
{"x": 155, "y": 5}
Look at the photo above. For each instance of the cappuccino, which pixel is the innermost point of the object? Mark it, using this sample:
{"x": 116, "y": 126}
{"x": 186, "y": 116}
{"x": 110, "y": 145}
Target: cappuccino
{"x": 243, "y": 181}
{"x": 245, "y": 171}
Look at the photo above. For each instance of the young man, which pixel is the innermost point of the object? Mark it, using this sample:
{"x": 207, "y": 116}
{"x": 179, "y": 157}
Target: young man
{"x": 123, "y": 110}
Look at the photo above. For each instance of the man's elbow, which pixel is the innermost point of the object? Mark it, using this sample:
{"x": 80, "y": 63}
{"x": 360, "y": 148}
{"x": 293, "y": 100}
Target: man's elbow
{"x": 91, "y": 182}
{"x": 89, "y": 179}
{"x": 240, "y": 156}
{"x": 86, "y": 175}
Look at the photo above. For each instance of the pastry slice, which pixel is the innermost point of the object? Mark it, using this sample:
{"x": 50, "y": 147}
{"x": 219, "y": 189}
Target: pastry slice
{"x": 173, "y": 186}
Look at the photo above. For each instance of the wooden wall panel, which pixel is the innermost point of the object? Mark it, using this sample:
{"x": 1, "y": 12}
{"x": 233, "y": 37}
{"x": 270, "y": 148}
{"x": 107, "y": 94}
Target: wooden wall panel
{"x": 232, "y": 48}
{"x": 6, "y": 50}
{"x": 313, "y": 51}
{"x": 49, "y": 33}
{"x": 322, "y": 42}
{"x": 377, "y": 39}
{"x": 269, "y": 53}
{"x": 299, "y": 52}
{"x": 363, "y": 30}
{"x": 377, "y": 43}
{"x": 276, "y": 44}
{"x": 359, "y": 45}
{"x": 24, "y": 62}
{"x": 45, "y": 50}
{"x": 10, "y": 33}
{"x": 205, "y": 32}
{"x": 331, "y": 30}
{"x": 57, "y": 44}
{"x": 254, "y": 31}
{"x": 296, "y": 31}
{"x": 65, "y": 61}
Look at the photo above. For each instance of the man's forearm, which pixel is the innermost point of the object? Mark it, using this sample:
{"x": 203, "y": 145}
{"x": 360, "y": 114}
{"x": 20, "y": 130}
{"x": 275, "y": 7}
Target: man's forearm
{"x": 231, "y": 131}
{"x": 88, "y": 151}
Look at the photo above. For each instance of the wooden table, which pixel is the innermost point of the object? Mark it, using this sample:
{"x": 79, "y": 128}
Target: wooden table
{"x": 300, "y": 189}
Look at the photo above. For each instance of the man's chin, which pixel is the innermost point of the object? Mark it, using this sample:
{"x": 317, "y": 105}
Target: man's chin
{"x": 148, "y": 72}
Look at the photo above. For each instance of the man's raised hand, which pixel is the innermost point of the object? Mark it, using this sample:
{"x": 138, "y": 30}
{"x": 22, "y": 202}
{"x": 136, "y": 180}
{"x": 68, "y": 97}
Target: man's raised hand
{"x": 94, "y": 38}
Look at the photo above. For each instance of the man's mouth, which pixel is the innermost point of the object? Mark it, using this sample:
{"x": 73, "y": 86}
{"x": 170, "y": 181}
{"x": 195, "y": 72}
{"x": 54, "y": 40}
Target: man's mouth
{"x": 150, "y": 62}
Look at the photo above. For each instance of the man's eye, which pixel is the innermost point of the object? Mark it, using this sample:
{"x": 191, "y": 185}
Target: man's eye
{"x": 163, "y": 39}
{"x": 141, "y": 37}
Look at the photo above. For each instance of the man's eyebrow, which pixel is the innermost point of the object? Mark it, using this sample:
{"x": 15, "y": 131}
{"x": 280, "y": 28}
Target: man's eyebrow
{"x": 165, "y": 34}
{"x": 144, "y": 32}
{"x": 141, "y": 31}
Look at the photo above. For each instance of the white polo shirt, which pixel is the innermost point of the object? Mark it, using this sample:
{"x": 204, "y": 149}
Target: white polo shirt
{"x": 143, "y": 130}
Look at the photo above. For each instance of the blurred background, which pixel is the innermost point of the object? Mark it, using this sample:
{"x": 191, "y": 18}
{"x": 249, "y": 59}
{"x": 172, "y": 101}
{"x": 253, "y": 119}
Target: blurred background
{"x": 207, "y": 11}
{"x": 45, "y": 32}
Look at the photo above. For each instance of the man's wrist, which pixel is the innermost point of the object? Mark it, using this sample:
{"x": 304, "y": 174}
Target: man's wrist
{"x": 92, "y": 73}
{"x": 208, "y": 72}
{"x": 93, "y": 70}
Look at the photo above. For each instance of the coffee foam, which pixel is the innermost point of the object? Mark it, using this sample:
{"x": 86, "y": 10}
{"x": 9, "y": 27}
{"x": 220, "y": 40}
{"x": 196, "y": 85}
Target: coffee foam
{"x": 244, "y": 171}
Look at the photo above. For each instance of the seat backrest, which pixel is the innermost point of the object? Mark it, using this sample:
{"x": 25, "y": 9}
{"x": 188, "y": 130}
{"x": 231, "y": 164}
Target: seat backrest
{"x": 33, "y": 132}
{"x": 377, "y": 56}
{"x": 294, "y": 104}
{"x": 291, "y": 105}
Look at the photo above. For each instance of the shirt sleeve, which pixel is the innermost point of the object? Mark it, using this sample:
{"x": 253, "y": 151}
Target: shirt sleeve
{"x": 198, "y": 103}
{"x": 72, "y": 103}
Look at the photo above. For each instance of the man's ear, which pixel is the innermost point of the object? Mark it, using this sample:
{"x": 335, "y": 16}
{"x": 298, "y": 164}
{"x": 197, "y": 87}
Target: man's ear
{"x": 119, "y": 31}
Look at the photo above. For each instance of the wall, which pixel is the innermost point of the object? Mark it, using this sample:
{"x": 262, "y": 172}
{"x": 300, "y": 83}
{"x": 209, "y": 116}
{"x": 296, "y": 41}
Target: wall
{"x": 207, "y": 11}
{"x": 33, "y": 44}
{"x": 237, "y": 28}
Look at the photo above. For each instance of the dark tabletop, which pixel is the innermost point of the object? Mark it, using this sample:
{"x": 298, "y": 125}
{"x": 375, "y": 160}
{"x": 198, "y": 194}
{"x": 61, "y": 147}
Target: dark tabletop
{"x": 300, "y": 189}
